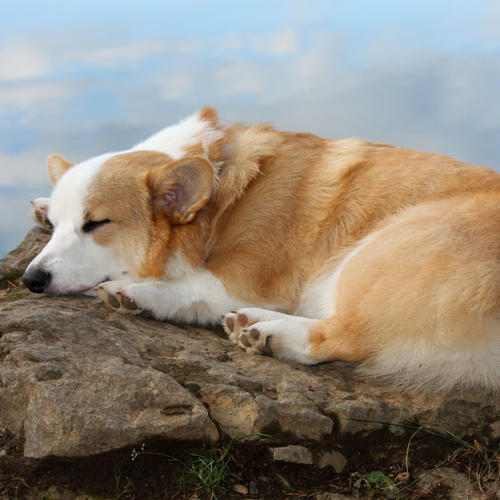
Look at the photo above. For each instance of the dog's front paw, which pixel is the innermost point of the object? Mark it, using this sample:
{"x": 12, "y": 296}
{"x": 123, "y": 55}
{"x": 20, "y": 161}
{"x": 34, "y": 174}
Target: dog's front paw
{"x": 118, "y": 295}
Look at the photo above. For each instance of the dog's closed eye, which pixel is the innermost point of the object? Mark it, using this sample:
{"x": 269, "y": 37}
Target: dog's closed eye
{"x": 91, "y": 225}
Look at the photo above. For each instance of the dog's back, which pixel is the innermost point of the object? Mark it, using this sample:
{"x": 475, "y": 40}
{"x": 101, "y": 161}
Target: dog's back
{"x": 314, "y": 199}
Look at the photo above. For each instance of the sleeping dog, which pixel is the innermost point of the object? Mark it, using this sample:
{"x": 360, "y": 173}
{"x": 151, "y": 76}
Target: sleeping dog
{"x": 308, "y": 249}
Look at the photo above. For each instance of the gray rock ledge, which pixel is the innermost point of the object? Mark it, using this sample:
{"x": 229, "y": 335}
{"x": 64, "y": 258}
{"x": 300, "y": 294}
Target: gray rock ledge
{"x": 77, "y": 379}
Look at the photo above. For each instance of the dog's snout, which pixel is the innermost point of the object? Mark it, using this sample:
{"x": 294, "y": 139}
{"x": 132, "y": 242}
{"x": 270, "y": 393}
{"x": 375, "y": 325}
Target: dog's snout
{"x": 37, "y": 280}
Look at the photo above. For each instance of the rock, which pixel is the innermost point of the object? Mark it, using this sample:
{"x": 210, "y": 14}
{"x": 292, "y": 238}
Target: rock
{"x": 495, "y": 430}
{"x": 240, "y": 488}
{"x": 460, "y": 485}
{"x": 252, "y": 488}
{"x": 234, "y": 409}
{"x": 333, "y": 459}
{"x": 239, "y": 413}
{"x": 58, "y": 493}
{"x": 75, "y": 403}
{"x": 16, "y": 261}
{"x": 78, "y": 379}
{"x": 292, "y": 454}
{"x": 112, "y": 405}
{"x": 331, "y": 496}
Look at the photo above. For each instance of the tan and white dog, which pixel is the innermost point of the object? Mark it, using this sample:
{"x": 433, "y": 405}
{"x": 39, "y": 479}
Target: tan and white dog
{"x": 321, "y": 249}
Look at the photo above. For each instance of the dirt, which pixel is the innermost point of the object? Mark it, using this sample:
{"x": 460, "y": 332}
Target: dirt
{"x": 158, "y": 471}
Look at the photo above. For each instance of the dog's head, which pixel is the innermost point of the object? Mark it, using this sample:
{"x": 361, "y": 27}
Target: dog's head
{"x": 113, "y": 215}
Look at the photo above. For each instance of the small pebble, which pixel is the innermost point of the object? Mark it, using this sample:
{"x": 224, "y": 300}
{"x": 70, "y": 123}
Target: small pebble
{"x": 241, "y": 489}
{"x": 252, "y": 488}
{"x": 401, "y": 477}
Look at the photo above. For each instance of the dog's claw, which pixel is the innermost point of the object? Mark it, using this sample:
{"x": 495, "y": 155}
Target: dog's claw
{"x": 113, "y": 301}
{"x": 228, "y": 322}
{"x": 118, "y": 300}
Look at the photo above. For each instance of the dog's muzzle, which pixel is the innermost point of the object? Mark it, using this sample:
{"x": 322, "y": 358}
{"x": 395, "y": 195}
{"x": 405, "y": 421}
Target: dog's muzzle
{"x": 37, "y": 280}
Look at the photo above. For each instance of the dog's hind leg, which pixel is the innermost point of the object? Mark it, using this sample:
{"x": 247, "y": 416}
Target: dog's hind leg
{"x": 296, "y": 338}
{"x": 418, "y": 301}
{"x": 422, "y": 297}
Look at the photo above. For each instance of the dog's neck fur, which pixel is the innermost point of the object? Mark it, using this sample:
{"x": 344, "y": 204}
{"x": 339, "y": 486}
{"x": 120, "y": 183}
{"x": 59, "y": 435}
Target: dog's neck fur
{"x": 236, "y": 165}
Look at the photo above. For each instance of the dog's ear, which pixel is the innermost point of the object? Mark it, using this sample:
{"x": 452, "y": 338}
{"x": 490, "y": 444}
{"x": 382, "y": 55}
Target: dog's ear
{"x": 57, "y": 165}
{"x": 181, "y": 189}
{"x": 209, "y": 115}
{"x": 38, "y": 211}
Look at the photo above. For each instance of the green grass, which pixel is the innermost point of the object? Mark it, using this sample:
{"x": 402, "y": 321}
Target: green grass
{"x": 120, "y": 488}
{"x": 204, "y": 473}
{"x": 478, "y": 460}
{"x": 376, "y": 480}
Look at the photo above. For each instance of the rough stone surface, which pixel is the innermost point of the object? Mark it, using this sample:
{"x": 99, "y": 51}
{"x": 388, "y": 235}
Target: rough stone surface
{"x": 294, "y": 454}
{"x": 237, "y": 410}
{"x": 16, "y": 261}
{"x": 459, "y": 484}
{"x": 495, "y": 429}
{"x": 332, "y": 496}
{"x": 333, "y": 459}
{"x": 79, "y": 379}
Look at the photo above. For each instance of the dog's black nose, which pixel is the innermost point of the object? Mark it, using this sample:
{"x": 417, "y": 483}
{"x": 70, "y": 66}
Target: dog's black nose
{"x": 37, "y": 280}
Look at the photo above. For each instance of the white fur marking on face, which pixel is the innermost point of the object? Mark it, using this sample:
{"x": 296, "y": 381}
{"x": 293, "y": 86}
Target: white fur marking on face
{"x": 73, "y": 259}
{"x": 174, "y": 140}
{"x": 67, "y": 198}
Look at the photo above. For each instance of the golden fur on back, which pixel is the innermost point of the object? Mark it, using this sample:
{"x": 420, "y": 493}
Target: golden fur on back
{"x": 288, "y": 204}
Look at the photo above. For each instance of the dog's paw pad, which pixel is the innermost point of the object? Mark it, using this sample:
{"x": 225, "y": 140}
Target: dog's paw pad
{"x": 266, "y": 348}
{"x": 255, "y": 341}
{"x": 117, "y": 299}
{"x": 244, "y": 341}
{"x": 254, "y": 334}
{"x": 230, "y": 325}
{"x": 107, "y": 298}
{"x": 233, "y": 322}
{"x": 127, "y": 302}
{"x": 242, "y": 320}
{"x": 113, "y": 301}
